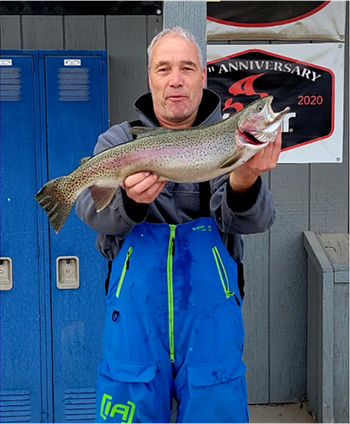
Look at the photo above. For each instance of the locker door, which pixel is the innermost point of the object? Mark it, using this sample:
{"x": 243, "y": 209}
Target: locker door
{"x": 21, "y": 352}
{"x": 75, "y": 96}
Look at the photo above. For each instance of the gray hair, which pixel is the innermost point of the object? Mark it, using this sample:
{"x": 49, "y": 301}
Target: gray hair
{"x": 179, "y": 31}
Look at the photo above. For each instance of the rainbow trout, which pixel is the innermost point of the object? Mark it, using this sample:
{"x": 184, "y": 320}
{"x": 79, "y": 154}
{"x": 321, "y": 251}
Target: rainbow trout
{"x": 188, "y": 155}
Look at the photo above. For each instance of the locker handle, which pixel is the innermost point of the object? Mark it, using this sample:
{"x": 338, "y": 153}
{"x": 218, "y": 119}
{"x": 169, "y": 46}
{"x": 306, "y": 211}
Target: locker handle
{"x": 6, "y": 280}
{"x": 67, "y": 272}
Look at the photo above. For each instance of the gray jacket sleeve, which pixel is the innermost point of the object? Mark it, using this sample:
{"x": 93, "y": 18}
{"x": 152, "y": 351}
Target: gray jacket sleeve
{"x": 113, "y": 220}
{"x": 242, "y": 214}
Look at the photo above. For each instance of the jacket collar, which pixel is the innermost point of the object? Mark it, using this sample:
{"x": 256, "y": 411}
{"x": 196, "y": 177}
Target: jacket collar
{"x": 209, "y": 110}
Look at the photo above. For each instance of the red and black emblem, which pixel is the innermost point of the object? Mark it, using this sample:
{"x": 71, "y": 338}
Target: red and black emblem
{"x": 308, "y": 90}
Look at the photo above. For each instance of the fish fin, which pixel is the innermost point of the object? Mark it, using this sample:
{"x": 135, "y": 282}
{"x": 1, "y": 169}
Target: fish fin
{"x": 85, "y": 159}
{"x": 230, "y": 162}
{"x": 102, "y": 196}
{"x": 142, "y": 132}
{"x": 49, "y": 198}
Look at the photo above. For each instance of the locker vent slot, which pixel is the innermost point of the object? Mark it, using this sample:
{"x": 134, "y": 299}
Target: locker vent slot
{"x": 15, "y": 406}
{"x": 80, "y": 405}
{"x": 73, "y": 85}
{"x": 10, "y": 84}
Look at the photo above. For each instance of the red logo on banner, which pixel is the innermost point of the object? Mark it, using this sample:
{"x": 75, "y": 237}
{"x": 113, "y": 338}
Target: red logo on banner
{"x": 244, "y": 86}
{"x": 307, "y": 89}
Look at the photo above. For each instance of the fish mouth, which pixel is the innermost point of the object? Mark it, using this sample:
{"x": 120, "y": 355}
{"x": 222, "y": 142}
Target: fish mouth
{"x": 268, "y": 131}
{"x": 247, "y": 138}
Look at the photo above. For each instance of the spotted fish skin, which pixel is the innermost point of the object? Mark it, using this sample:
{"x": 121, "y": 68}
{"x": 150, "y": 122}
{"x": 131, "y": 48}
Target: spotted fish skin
{"x": 187, "y": 155}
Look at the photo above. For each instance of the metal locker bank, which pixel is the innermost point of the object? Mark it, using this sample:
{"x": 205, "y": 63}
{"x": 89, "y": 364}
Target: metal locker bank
{"x": 53, "y": 107}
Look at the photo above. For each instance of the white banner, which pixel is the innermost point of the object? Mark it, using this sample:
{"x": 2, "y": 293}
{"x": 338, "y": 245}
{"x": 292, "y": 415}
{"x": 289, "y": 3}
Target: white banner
{"x": 276, "y": 20}
{"x": 307, "y": 77}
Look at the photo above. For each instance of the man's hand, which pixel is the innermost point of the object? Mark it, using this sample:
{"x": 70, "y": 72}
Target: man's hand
{"x": 143, "y": 187}
{"x": 243, "y": 177}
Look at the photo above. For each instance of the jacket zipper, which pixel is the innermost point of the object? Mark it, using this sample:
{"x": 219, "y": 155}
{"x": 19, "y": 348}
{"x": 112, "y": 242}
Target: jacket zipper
{"x": 223, "y": 275}
{"x": 125, "y": 268}
{"x": 171, "y": 253}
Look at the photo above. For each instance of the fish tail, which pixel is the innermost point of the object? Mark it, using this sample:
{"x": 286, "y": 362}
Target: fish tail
{"x": 51, "y": 198}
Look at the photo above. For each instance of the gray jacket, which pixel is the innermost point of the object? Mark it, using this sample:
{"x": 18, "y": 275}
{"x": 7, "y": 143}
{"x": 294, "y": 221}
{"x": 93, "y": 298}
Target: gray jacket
{"x": 247, "y": 213}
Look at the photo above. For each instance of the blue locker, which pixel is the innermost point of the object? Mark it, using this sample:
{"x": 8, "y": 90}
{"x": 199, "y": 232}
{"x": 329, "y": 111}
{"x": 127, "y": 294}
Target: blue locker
{"x": 53, "y": 107}
{"x": 21, "y": 353}
{"x": 75, "y": 115}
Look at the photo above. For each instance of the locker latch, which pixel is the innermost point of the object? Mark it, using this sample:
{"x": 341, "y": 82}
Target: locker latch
{"x": 6, "y": 280}
{"x": 67, "y": 272}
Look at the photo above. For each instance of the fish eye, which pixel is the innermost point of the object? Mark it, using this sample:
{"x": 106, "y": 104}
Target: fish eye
{"x": 260, "y": 108}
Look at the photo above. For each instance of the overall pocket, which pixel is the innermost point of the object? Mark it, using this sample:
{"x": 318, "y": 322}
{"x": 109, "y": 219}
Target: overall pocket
{"x": 217, "y": 393}
{"x": 225, "y": 281}
{"x": 124, "y": 271}
{"x": 119, "y": 390}
{"x": 116, "y": 270}
{"x": 127, "y": 372}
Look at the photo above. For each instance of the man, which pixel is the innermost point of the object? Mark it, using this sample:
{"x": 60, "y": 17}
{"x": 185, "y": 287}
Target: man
{"x": 173, "y": 306}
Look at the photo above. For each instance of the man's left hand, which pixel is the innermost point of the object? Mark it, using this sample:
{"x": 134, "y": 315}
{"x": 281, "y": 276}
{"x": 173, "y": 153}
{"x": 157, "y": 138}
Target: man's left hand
{"x": 243, "y": 177}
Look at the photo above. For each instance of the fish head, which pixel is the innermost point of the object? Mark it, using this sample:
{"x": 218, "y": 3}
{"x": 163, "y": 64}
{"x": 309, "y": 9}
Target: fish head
{"x": 258, "y": 124}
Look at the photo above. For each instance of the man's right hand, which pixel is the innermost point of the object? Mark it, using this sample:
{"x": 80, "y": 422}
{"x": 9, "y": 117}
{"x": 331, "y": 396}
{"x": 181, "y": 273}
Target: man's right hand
{"x": 143, "y": 187}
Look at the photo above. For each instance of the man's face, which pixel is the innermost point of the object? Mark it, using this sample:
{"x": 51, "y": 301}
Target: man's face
{"x": 176, "y": 81}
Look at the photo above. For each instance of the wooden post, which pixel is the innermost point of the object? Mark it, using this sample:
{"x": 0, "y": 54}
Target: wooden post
{"x": 190, "y": 15}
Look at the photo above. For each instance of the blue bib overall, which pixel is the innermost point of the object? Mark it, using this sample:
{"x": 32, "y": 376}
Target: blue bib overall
{"x": 173, "y": 329}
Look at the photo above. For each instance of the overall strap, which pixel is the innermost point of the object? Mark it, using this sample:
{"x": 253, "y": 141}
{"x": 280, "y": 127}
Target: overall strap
{"x": 110, "y": 263}
{"x": 135, "y": 123}
{"x": 204, "y": 199}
